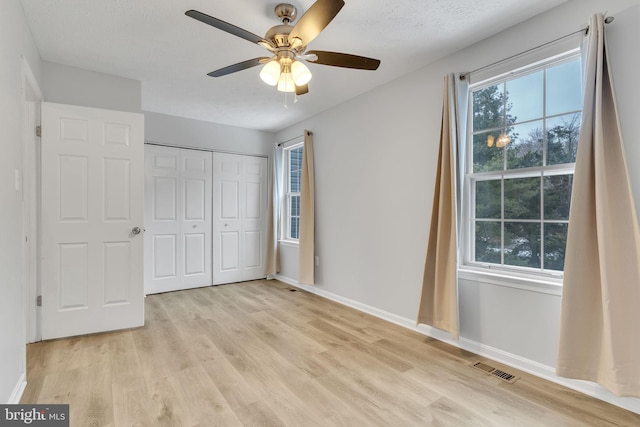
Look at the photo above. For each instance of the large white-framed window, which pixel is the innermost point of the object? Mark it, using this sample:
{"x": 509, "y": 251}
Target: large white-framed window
{"x": 291, "y": 212}
{"x": 522, "y": 141}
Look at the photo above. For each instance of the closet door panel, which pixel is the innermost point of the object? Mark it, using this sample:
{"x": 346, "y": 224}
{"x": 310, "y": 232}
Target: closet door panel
{"x": 177, "y": 219}
{"x": 227, "y": 179}
{"x": 195, "y": 174}
{"x": 239, "y": 217}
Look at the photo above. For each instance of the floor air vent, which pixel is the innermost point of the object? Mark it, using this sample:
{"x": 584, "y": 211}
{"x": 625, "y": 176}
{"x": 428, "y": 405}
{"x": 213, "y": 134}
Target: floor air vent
{"x": 505, "y": 376}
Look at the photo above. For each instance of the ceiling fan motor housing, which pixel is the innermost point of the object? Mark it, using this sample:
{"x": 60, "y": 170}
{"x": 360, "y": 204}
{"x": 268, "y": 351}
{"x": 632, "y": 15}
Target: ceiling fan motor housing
{"x": 279, "y": 35}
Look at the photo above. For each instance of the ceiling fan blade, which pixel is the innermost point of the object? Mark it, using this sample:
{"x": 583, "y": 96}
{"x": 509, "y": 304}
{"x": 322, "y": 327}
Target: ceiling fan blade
{"x": 239, "y": 66}
{"x": 229, "y": 28}
{"x": 314, "y": 20}
{"x": 301, "y": 90}
{"x": 344, "y": 60}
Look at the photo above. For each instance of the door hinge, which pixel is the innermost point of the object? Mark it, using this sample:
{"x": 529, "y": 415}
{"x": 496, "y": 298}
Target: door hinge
{"x": 38, "y": 130}
{"x": 39, "y": 301}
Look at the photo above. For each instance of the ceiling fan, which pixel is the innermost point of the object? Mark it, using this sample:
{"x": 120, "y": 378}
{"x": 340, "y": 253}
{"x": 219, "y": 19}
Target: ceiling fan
{"x": 288, "y": 45}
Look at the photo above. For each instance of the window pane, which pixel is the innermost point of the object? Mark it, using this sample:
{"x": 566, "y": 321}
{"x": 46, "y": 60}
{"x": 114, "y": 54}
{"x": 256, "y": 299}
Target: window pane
{"x": 525, "y": 97}
{"x": 486, "y": 155}
{"x": 488, "y": 242}
{"x": 293, "y": 161}
{"x": 562, "y": 139}
{"x": 555, "y": 243}
{"x": 294, "y": 229}
{"x": 488, "y": 108}
{"x": 488, "y": 199}
{"x": 564, "y": 88}
{"x": 522, "y": 198}
{"x": 295, "y": 206}
{"x": 522, "y": 244}
{"x": 557, "y": 196}
{"x": 525, "y": 148}
{"x": 295, "y": 166}
{"x": 296, "y": 158}
{"x": 294, "y": 181}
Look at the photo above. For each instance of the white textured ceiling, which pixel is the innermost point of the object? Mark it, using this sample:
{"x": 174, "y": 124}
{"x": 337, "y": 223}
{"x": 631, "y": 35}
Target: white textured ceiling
{"x": 154, "y": 42}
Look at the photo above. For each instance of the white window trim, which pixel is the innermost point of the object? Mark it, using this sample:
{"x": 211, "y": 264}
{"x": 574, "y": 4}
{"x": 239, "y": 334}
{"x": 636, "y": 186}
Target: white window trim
{"x": 290, "y": 243}
{"x": 284, "y": 238}
{"x": 545, "y": 285}
{"x": 545, "y": 281}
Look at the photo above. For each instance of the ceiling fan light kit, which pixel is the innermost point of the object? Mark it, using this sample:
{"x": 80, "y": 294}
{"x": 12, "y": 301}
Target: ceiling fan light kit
{"x": 270, "y": 73}
{"x": 288, "y": 45}
{"x": 286, "y": 83}
{"x": 300, "y": 72}
{"x": 281, "y": 71}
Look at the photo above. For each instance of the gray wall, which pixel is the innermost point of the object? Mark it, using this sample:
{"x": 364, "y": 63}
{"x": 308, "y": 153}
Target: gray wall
{"x": 181, "y": 132}
{"x": 70, "y": 85}
{"x": 15, "y": 41}
{"x": 375, "y": 160}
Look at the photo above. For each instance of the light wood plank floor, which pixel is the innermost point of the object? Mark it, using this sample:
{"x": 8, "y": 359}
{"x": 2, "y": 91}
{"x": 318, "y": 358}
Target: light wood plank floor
{"x": 259, "y": 354}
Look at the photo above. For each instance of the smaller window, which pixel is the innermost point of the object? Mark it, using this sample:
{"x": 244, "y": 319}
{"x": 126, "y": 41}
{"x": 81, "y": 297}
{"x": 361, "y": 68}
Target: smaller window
{"x": 293, "y": 170}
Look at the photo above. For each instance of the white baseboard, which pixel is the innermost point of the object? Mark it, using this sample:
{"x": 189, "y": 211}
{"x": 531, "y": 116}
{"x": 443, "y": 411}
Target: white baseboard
{"x": 16, "y": 395}
{"x": 509, "y": 359}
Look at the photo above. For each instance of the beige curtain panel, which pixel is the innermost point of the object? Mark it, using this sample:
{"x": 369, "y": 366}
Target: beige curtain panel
{"x": 600, "y": 316}
{"x": 439, "y": 300}
{"x": 307, "y": 218}
{"x": 274, "y": 201}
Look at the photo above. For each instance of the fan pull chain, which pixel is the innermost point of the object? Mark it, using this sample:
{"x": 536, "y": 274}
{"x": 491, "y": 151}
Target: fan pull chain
{"x": 295, "y": 99}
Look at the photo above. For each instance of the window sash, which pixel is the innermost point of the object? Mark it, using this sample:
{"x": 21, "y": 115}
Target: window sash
{"x": 293, "y": 215}
{"x": 291, "y": 211}
{"x": 546, "y": 222}
{"x": 545, "y": 225}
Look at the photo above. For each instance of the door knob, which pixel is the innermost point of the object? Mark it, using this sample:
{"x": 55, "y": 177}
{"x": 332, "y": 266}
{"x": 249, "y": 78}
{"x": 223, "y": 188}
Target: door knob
{"x": 135, "y": 230}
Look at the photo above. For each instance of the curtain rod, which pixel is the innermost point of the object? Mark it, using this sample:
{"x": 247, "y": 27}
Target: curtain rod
{"x": 206, "y": 150}
{"x": 289, "y": 140}
{"x": 607, "y": 20}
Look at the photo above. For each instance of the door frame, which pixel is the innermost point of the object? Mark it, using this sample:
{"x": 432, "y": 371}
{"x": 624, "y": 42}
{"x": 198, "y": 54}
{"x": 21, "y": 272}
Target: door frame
{"x": 30, "y": 186}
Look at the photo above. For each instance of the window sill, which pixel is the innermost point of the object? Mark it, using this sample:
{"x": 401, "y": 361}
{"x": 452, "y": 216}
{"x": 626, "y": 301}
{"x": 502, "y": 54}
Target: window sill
{"x": 550, "y": 285}
{"x": 290, "y": 243}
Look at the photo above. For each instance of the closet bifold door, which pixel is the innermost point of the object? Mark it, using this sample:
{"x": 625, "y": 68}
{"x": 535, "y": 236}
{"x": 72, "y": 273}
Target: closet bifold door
{"x": 239, "y": 217}
{"x": 177, "y": 219}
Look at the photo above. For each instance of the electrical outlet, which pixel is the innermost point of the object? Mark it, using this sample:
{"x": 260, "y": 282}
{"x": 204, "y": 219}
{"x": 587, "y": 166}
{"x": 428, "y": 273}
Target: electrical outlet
{"x": 317, "y": 261}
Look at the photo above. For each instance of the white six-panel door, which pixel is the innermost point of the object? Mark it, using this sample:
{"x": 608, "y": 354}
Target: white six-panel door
{"x": 92, "y": 218}
{"x": 177, "y": 219}
{"x": 239, "y": 217}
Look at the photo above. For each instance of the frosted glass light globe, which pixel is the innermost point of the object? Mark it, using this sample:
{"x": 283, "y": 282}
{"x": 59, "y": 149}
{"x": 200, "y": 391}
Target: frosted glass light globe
{"x": 300, "y": 72}
{"x": 270, "y": 73}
